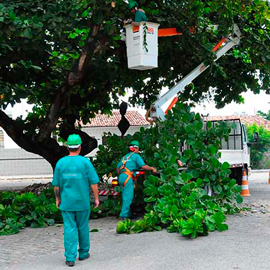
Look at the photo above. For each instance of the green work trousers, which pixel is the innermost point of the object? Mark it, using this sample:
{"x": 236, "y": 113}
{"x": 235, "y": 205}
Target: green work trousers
{"x": 76, "y": 230}
{"x": 127, "y": 196}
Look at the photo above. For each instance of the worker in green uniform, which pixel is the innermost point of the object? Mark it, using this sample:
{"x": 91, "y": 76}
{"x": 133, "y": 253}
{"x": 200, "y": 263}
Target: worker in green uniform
{"x": 139, "y": 13}
{"x": 125, "y": 169}
{"x": 73, "y": 176}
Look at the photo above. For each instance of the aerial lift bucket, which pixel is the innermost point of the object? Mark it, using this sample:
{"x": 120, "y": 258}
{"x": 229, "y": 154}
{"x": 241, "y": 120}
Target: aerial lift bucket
{"x": 142, "y": 46}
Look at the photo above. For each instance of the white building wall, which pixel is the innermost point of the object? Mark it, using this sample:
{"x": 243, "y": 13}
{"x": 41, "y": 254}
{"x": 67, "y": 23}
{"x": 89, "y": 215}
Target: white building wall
{"x": 18, "y": 162}
{"x": 15, "y": 161}
{"x": 9, "y": 143}
{"x": 98, "y": 133}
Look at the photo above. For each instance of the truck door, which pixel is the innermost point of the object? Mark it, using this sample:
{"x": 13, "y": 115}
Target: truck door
{"x": 246, "y": 149}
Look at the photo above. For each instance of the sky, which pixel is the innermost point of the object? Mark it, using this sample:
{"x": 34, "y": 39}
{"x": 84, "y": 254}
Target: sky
{"x": 252, "y": 104}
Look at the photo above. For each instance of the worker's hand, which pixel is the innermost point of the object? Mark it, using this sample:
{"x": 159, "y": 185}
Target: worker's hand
{"x": 154, "y": 170}
{"x": 127, "y": 21}
{"x": 179, "y": 163}
{"x": 96, "y": 202}
{"x": 58, "y": 203}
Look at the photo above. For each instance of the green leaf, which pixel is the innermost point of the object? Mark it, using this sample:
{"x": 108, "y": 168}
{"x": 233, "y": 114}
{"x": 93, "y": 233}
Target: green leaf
{"x": 28, "y": 217}
{"x": 72, "y": 35}
{"x": 212, "y": 149}
{"x": 22, "y": 220}
{"x": 222, "y": 227}
{"x": 148, "y": 190}
{"x": 34, "y": 225}
{"x": 174, "y": 210}
{"x": 150, "y": 199}
{"x": 199, "y": 182}
{"x": 186, "y": 176}
{"x": 239, "y": 198}
{"x": 199, "y": 125}
{"x": 187, "y": 231}
{"x": 36, "y": 67}
{"x": 50, "y": 222}
{"x": 158, "y": 228}
{"x": 27, "y": 33}
{"x": 117, "y": 38}
{"x": 167, "y": 211}
{"x": 225, "y": 166}
{"x": 12, "y": 16}
{"x": 178, "y": 180}
{"x": 94, "y": 230}
{"x": 217, "y": 189}
{"x": 208, "y": 124}
{"x": 219, "y": 217}
{"x": 232, "y": 183}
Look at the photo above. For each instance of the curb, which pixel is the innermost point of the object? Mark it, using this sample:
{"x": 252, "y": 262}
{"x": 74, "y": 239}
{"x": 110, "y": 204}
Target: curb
{"x": 28, "y": 177}
{"x": 260, "y": 171}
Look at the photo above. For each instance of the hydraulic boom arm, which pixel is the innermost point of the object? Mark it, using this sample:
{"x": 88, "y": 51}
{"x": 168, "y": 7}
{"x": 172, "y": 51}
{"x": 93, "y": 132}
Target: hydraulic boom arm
{"x": 156, "y": 111}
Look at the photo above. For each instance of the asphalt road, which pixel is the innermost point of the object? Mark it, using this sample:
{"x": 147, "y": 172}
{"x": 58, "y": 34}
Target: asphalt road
{"x": 246, "y": 245}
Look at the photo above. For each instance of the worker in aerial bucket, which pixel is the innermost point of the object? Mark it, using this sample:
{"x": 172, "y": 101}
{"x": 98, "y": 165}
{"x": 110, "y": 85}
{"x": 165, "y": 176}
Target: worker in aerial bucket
{"x": 125, "y": 169}
{"x": 139, "y": 13}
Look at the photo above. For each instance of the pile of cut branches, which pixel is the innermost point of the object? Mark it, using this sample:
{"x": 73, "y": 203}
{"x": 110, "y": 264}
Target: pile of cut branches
{"x": 179, "y": 199}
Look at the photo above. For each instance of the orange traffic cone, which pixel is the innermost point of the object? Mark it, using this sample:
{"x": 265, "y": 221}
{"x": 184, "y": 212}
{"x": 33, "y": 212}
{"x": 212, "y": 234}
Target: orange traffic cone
{"x": 245, "y": 190}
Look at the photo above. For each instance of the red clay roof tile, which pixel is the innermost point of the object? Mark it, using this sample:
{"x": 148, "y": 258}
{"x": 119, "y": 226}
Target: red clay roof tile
{"x": 102, "y": 120}
{"x": 247, "y": 119}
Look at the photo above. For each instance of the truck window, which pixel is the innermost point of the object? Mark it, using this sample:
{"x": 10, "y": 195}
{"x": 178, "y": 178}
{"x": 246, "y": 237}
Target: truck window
{"x": 244, "y": 130}
{"x": 235, "y": 137}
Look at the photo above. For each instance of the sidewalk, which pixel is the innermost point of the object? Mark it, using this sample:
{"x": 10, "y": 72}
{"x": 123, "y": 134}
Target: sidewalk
{"x": 260, "y": 171}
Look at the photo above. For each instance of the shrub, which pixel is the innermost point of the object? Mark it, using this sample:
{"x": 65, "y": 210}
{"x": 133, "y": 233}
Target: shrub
{"x": 18, "y": 211}
{"x": 259, "y": 150}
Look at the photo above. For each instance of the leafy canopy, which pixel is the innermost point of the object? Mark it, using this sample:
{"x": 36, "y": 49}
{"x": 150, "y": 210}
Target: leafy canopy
{"x": 264, "y": 115}
{"x": 43, "y": 44}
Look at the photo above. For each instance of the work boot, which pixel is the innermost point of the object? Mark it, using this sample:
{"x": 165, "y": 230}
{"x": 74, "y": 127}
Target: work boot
{"x": 70, "y": 264}
{"x": 85, "y": 258}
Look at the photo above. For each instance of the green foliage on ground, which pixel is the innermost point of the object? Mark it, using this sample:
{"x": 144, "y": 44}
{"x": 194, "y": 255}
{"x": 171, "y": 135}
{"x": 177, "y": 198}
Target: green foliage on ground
{"x": 178, "y": 199}
{"x": 18, "y": 211}
{"x": 258, "y": 150}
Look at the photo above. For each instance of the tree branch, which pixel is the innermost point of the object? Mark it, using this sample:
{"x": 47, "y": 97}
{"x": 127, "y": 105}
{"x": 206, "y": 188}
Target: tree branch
{"x": 74, "y": 77}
